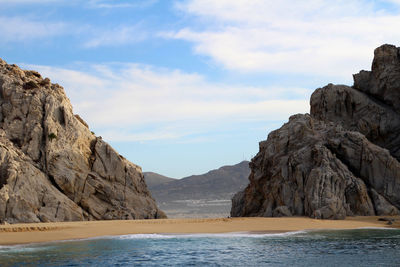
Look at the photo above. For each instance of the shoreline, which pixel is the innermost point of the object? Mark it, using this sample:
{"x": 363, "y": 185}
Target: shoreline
{"x": 18, "y": 234}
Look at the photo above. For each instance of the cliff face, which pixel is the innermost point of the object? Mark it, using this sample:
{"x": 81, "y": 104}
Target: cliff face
{"x": 341, "y": 160}
{"x": 52, "y": 168}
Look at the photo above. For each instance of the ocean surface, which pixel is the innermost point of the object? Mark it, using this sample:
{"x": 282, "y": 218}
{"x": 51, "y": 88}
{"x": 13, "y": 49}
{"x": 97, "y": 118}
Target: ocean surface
{"x": 361, "y": 247}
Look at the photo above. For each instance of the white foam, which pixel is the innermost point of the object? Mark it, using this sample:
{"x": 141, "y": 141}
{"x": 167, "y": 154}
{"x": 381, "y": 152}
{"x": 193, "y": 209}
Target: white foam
{"x": 378, "y": 228}
{"x": 44, "y": 245}
{"x": 19, "y": 248}
{"x": 209, "y": 235}
{"x": 38, "y": 246}
{"x": 143, "y": 236}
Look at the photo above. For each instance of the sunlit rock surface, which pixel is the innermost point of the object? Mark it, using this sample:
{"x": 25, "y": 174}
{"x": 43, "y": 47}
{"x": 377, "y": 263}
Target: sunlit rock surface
{"x": 52, "y": 167}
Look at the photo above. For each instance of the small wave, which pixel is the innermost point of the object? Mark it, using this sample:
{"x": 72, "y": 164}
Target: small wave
{"x": 144, "y": 236}
{"x": 209, "y": 235}
{"x": 253, "y": 235}
{"x": 19, "y": 248}
{"x": 378, "y": 228}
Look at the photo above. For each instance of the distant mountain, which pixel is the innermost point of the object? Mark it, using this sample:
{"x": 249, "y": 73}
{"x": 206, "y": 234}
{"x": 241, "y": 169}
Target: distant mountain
{"x": 154, "y": 179}
{"x": 205, "y": 195}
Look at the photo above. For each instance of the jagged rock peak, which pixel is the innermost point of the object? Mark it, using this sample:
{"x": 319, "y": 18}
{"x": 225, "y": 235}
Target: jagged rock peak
{"x": 385, "y": 56}
{"x": 382, "y": 82}
{"x": 52, "y": 168}
{"x": 341, "y": 160}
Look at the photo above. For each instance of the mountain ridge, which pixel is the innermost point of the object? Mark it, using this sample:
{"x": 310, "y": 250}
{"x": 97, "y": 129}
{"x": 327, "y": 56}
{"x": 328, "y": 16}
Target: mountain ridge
{"x": 154, "y": 179}
{"x": 207, "y": 194}
{"x": 205, "y": 181}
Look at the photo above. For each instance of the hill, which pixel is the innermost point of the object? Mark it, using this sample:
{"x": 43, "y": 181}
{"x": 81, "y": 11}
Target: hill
{"x": 206, "y": 195}
{"x": 154, "y": 179}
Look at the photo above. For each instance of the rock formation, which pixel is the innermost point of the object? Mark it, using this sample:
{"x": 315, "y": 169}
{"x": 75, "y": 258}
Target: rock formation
{"x": 52, "y": 168}
{"x": 340, "y": 160}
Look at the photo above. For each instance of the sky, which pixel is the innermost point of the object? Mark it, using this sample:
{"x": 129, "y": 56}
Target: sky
{"x": 182, "y": 87}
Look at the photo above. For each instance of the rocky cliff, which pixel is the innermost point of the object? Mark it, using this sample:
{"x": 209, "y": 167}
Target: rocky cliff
{"x": 52, "y": 168}
{"x": 340, "y": 160}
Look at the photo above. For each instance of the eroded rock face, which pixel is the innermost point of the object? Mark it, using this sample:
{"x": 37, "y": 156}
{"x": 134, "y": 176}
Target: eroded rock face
{"x": 341, "y": 160}
{"x": 52, "y": 168}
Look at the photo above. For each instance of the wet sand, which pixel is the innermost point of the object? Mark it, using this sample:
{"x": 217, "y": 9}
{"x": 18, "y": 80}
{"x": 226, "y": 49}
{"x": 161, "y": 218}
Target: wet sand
{"x": 46, "y": 232}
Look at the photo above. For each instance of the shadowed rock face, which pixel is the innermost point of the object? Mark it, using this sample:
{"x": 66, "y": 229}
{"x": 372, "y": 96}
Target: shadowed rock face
{"x": 52, "y": 168}
{"x": 341, "y": 160}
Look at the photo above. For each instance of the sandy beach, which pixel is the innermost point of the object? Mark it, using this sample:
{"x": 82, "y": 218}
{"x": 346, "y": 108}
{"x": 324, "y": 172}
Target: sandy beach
{"x": 45, "y": 232}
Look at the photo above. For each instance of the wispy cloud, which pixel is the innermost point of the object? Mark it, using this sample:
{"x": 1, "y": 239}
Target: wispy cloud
{"x": 121, "y": 35}
{"x": 24, "y": 29}
{"x": 28, "y": 1}
{"x": 397, "y": 2}
{"x": 131, "y": 102}
{"x": 88, "y": 3}
{"x": 121, "y": 3}
{"x": 332, "y": 38}
{"x": 21, "y": 29}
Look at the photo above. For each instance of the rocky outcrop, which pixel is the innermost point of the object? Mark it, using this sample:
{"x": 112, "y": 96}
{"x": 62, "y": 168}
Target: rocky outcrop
{"x": 52, "y": 168}
{"x": 341, "y": 160}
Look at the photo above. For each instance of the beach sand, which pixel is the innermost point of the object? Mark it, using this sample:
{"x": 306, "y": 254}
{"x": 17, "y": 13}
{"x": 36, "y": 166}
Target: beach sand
{"x": 45, "y": 232}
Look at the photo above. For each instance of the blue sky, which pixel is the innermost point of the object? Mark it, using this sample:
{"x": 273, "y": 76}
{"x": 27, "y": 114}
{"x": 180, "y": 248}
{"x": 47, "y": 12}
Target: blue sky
{"x": 183, "y": 87}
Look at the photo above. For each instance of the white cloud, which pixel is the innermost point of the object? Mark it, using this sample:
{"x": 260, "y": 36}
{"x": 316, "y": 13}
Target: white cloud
{"x": 118, "y": 36}
{"x": 27, "y": 1}
{"x": 397, "y": 2}
{"x": 20, "y": 29}
{"x": 332, "y": 38}
{"x": 138, "y": 103}
{"x": 121, "y": 4}
{"x": 88, "y": 3}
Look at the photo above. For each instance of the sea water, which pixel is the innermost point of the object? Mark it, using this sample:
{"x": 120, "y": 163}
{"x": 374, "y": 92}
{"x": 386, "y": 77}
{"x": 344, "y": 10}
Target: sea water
{"x": 361, "y": 247}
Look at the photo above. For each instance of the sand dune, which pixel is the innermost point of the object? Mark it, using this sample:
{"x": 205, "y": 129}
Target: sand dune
{"x": 45, "y": 232}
